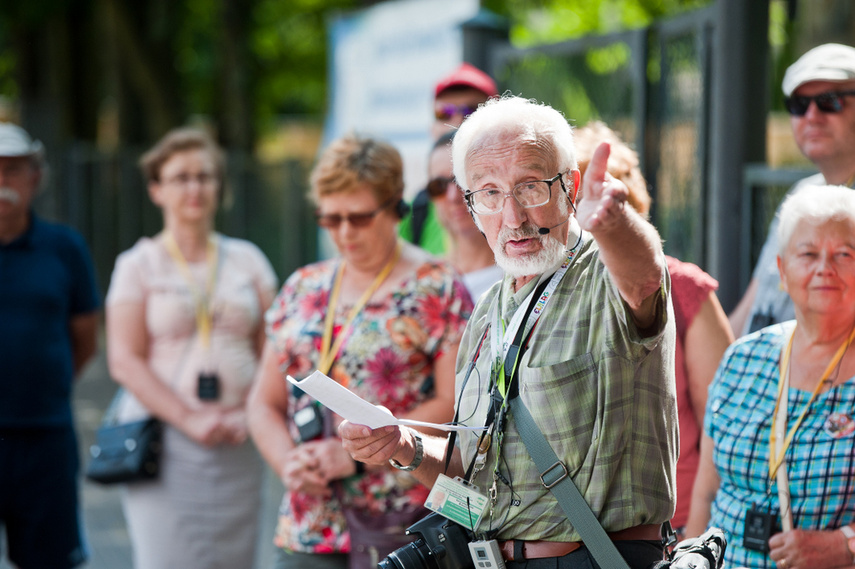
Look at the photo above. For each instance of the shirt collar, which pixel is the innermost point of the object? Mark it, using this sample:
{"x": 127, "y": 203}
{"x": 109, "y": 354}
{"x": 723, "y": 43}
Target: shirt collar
{"x": 25, "y": 239}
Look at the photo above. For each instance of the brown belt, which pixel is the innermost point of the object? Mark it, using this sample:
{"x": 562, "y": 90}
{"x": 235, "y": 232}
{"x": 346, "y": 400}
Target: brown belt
{"x": 516, "y": 550}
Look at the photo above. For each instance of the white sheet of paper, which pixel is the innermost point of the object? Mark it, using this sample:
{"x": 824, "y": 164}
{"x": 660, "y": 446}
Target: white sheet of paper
{"x": 357, "y": 410}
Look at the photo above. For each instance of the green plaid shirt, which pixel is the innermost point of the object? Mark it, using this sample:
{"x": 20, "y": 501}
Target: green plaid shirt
{"x": 603, "y": 396}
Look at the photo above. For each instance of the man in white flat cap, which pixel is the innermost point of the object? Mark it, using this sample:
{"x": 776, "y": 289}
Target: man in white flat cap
{"x": 49, "y": 307}
{"x": 819, "y": 91}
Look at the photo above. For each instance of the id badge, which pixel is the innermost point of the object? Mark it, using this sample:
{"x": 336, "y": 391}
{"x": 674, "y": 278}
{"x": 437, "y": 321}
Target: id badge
{"x": 209, "y": 386}
{"x": 759, "y": 527}
{"x": 457, "y": 501}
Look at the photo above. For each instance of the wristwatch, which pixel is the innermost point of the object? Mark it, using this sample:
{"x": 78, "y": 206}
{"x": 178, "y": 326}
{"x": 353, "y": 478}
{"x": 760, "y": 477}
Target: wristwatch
{"x": 850, "y": 540}
{"x": 417, "y": 459}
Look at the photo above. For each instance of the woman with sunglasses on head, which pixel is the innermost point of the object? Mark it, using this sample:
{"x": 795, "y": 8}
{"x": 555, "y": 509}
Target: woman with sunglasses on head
{"x": 184, "y": 334}
{"x": 383, "y": 319}
{"x": 777, "y": 470}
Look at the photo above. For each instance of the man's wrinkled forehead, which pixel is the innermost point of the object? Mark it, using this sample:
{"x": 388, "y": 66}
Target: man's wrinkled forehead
{"x": 531, "y": 152}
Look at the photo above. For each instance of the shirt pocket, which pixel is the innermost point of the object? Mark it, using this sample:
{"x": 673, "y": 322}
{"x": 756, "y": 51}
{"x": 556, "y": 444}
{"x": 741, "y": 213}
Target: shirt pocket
{"x": 562, "y": 399}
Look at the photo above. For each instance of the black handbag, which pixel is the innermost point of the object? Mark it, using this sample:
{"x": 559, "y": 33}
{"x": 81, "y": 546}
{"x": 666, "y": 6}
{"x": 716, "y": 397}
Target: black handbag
{"x": 125, "y": 452}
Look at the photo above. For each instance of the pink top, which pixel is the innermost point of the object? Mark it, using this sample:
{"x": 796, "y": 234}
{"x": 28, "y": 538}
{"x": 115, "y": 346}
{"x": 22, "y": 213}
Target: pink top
{"x": 690, "y": 287}
{"x": 146, "y": 273}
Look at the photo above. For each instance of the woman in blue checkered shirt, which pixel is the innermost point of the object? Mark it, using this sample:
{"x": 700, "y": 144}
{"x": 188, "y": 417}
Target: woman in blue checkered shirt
{"x": 777, "y": 466}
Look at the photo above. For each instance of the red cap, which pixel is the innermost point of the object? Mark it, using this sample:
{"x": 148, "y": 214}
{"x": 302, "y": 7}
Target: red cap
{"x": 468, "y": 76}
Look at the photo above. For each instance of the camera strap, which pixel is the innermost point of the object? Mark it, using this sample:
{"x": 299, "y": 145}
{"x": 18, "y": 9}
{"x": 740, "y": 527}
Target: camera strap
{"x": 554, "y": 476}
{"x": 452, "y": 435}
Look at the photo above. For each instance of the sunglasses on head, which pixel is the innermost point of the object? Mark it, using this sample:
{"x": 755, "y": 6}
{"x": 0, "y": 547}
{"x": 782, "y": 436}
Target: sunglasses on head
{"x": 437, "y": 187}
{"x": 445, "y": 112}
{"x": 828, "y": 102}
{"x": 333, "y": 220}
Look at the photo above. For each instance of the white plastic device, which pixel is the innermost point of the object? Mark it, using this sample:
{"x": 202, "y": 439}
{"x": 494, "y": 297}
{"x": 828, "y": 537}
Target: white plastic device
{"x": 486, "y": 554}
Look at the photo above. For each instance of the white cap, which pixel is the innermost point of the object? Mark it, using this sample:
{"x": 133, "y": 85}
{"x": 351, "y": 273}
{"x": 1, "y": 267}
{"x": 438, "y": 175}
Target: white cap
{"x": 14, "y": 141}
{"x": 827, "y": 62}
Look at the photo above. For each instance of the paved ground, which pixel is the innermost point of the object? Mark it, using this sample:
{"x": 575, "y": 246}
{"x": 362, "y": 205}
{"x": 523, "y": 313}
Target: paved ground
{"x": 103, "y": 521}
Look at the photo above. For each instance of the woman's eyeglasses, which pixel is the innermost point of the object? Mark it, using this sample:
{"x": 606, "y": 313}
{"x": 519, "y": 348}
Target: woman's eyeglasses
{"x": 828, "y": 102}
{"x": 184, "y": 180}
{"x": 438, "y": 187}
{"x": 445, "y": 112}
{"x": 333, "y": 220}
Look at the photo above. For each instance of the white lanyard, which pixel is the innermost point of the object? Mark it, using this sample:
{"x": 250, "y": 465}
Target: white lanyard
{"x": 500, "y": 349}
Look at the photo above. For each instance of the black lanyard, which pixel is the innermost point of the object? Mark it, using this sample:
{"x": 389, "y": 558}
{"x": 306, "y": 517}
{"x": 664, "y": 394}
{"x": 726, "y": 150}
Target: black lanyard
{"x": 497, "y": 410}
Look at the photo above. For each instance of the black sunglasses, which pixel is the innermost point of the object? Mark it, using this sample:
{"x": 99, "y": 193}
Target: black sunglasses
{"x": 333, "y": 220}
{"x": 437, "y": 187}
{"x": 828, "y": 102}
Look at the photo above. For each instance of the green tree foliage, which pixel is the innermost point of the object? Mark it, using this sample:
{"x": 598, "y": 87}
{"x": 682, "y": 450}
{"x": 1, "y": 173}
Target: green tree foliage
{"x": 149, "y": 66}
{"x": 548, "y": 21}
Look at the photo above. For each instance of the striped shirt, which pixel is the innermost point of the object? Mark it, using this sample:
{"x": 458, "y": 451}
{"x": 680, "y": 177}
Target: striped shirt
{"x": 821, "y": 467}
{"x": 603, "y": 396}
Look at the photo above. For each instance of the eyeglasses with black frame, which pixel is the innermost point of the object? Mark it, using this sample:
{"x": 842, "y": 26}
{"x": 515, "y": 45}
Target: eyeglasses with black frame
{"x": 333, "y": 220}
{"x": 827, "y": 102}
{"x": 534, "y": 193}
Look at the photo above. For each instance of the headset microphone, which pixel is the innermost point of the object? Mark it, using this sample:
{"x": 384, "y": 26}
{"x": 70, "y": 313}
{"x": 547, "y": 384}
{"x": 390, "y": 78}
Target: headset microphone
{"x": 546, "y": 230}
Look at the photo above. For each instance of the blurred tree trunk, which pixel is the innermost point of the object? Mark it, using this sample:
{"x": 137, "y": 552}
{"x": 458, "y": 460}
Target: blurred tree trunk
{"x": 57, "y": 73}
{"x": 238, "y": 76}
{"x": 146, "y": 82}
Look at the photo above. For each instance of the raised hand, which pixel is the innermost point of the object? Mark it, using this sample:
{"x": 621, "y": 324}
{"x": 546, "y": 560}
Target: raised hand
{"x": 602, "y": 196}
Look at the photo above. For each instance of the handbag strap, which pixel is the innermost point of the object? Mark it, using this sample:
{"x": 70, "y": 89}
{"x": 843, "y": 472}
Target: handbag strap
{"x": 109, "y": 418}
{"x": 554, "y": 476}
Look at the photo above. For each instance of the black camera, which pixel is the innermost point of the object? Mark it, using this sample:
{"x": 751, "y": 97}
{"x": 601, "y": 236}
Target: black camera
{"x": 441, "y": 544}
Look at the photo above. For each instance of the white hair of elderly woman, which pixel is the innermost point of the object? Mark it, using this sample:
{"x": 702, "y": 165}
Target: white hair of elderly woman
{"x": 816, "y": 205}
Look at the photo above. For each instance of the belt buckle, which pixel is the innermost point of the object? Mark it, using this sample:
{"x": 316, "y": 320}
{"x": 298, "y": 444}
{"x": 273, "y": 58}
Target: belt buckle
{"x": 561, "y": 477}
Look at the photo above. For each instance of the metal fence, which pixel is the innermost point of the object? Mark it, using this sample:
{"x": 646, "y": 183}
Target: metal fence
{"x": 652, "y": 86}
{"x": 102, "y": 195}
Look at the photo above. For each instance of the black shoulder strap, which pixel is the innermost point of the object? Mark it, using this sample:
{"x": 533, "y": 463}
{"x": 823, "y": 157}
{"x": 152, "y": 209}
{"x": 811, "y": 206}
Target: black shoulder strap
{"x": 419, "y": 214}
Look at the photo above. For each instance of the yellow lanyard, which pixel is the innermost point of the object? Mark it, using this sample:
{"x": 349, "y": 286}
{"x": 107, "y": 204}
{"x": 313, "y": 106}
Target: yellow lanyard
{"x": 776, "y": 461}
{"x": 328, "y": 354}
{"x": 203, "y": 298}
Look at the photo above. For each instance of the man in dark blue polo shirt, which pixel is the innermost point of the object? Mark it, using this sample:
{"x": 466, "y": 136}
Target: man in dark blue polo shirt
{"x": 49, "y": 312}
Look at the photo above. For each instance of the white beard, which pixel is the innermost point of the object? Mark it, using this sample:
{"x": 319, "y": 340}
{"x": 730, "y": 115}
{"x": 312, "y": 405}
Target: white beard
{"x": 548, "y": 259}
{"x": 9, "y": 195}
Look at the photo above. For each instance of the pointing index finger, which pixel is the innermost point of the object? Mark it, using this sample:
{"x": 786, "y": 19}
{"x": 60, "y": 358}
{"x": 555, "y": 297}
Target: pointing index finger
{"x": 596, "y": 172}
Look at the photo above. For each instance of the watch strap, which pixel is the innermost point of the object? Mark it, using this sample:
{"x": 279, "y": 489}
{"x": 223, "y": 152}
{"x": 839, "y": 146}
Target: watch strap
{"x": 417, "y": 459}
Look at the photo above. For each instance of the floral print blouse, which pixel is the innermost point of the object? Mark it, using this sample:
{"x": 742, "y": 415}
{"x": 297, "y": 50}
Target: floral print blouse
{"x": 387, "y": 359}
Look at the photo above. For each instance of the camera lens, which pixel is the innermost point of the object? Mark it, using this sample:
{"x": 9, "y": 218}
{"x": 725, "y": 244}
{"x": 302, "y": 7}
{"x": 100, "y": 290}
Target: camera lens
{"x": 411, "y": 556}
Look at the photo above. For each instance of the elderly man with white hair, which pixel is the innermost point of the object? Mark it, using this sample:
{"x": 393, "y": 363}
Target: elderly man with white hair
{"x": 48, "y": 323}
{"x": 576, "y": 344}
